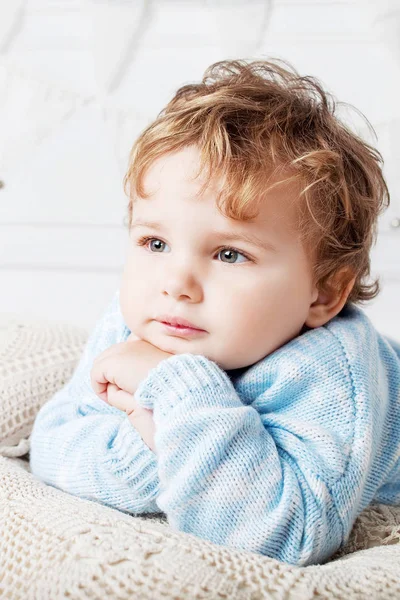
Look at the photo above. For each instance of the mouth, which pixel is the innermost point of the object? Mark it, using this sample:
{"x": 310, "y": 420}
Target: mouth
{"x": 181, "y": 331}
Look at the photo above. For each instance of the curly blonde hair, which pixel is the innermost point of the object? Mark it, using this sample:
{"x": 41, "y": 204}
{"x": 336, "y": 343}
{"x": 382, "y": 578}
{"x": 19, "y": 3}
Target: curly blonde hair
{"x": 251, "y": 119}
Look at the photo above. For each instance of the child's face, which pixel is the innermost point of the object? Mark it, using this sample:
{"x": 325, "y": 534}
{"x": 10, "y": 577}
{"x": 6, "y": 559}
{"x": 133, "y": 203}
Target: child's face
{"x": 248, "y": 308}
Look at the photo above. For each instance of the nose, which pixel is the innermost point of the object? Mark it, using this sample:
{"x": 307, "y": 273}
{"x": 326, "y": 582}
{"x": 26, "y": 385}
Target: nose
{"x": 180, "y": 282}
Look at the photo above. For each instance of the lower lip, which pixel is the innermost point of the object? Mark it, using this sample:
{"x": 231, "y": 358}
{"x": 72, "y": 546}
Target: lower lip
{"x": 184, "y": 331}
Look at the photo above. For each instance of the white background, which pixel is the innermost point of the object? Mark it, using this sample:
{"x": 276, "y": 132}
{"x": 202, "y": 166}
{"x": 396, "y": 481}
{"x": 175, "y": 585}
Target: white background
{"x": 79, "y": 79}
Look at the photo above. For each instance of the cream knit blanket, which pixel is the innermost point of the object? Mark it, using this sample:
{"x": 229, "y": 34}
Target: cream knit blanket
{"x": 55, "y": 545}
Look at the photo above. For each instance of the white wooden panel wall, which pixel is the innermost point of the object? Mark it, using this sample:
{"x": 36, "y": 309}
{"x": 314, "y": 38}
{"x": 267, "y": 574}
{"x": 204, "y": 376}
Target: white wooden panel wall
{"x": 79, "y": 79}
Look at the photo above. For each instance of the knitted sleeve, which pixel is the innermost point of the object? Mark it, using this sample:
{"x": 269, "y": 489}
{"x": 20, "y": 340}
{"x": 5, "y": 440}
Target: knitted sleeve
{"x": 88, "y": 448}
{"x": 260, "y": 477}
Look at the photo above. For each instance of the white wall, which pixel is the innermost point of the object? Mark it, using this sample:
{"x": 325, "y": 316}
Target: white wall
{"x": 79, "y": 79}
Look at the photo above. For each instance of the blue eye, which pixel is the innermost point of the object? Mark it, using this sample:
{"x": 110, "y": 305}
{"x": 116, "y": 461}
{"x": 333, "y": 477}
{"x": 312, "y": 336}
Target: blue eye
{"x": 154, "y": 239}
{"x": 226, "y": 249}
{"x": 232, "y": 251}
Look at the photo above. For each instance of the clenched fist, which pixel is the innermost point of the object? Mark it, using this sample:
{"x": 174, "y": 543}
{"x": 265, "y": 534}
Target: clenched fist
{"x": 125, "y": 365}
{"x": 116, "y": 375}
{"x": 140, "y": 417}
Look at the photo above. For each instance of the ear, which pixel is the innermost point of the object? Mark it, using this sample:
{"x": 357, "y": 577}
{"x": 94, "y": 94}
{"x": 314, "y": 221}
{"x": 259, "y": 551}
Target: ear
{"x": 331, "y": 300}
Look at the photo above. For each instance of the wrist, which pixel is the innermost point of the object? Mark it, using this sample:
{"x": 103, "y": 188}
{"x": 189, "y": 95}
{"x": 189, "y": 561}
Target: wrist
{"x": 142, "y": 420}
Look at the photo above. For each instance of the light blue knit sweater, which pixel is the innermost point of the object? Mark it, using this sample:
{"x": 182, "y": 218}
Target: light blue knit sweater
{"x": 276, "y": 459}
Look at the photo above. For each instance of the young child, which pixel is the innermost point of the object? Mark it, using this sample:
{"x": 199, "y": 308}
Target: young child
{"x": 267, "y": 416}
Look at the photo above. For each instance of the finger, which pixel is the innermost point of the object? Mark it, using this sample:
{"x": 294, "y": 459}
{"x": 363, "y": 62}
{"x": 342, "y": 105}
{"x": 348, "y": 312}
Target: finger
{"x": 120, "y": 398}
{"x": 99, "y": 383}
{"x": 99, "y": 387}
{"x": 103, "y": 394}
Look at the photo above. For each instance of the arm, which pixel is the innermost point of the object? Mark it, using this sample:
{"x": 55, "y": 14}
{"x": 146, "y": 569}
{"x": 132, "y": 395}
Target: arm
{"x": 85, "y": 447}
{"x": 269, "y": 477}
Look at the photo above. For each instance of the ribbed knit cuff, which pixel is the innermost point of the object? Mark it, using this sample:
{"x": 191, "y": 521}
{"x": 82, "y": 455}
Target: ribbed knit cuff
{"x": 143, "y": 466}
{"x": 185, "y": 376}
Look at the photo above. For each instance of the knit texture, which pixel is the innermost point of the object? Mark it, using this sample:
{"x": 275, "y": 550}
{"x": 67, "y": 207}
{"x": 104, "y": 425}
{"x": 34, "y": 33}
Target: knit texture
{"x": 55, "y": 545}
{"x": 278, "y": 459}
{"x": 37, "y": 357}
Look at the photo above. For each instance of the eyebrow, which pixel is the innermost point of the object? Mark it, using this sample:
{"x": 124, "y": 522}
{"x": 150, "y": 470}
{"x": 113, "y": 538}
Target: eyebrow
{"x": 227, "y": 235}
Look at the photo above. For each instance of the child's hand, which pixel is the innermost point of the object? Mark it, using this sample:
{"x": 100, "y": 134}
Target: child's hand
{"x": 125, "y": 365}
{"x": 115, "y": 377}
{"x": 140, "y": 417}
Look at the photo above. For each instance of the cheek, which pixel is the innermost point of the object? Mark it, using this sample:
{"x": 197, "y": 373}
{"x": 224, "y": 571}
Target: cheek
{"x": 132, "y": 288}
{"x": 125, "y": 286}
{"x": 283, "y": 289}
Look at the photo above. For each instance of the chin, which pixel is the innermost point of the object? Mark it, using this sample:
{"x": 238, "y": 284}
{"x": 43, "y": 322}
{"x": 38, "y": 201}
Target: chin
{"x": 165, "y": 347}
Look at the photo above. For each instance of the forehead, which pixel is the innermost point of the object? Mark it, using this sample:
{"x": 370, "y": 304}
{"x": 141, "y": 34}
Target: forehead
{"x": 173, "y": 186}
{"x": 176, "y": 171}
